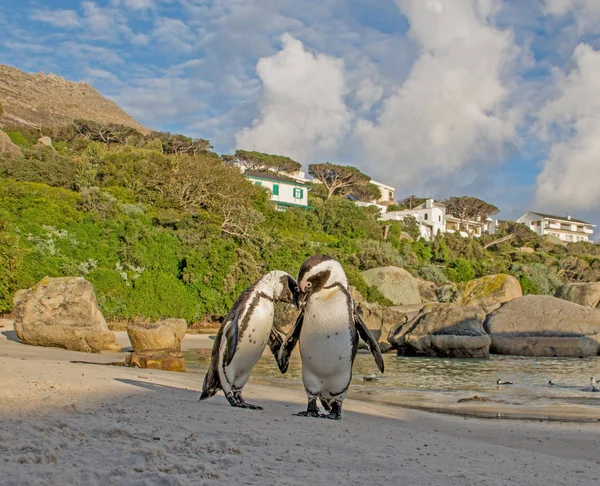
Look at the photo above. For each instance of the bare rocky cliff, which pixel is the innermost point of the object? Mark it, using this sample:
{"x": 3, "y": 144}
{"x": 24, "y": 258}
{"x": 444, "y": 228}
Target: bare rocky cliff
{"x": 40, "y": 99}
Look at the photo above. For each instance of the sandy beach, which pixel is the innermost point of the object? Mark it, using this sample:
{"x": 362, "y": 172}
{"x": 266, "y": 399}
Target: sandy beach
{"x": 63, "y": 423}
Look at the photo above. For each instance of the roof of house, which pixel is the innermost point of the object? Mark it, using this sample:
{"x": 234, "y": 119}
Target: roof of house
{"x": 271, "y": 176}
{"x": 562, "y": 218}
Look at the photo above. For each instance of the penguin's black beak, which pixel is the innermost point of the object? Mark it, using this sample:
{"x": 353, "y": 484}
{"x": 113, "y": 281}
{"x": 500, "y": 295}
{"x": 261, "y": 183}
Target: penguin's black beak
{"x": 296, "y": 296}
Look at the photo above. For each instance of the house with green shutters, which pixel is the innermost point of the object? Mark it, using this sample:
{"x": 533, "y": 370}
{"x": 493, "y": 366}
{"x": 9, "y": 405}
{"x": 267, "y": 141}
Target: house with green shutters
{"x": 285, "y": 191}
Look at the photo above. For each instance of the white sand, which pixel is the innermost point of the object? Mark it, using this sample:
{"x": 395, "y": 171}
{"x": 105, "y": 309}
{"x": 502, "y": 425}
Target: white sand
{"x": 64, "y": 423}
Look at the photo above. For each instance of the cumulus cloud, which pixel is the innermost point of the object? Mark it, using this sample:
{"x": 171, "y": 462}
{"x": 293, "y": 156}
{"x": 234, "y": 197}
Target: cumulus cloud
{"x": 450, "y": 110}
{"x": 571, "y": 174}
{"x": 302, "y": 109}
{"x": 57, "y": 18}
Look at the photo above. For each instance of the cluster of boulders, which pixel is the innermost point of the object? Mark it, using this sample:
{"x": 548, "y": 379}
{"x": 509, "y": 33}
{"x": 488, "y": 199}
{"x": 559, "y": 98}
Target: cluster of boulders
{"x": 63, "y": 312}
{"x": 484, "y": 315}
{"x": 469, "y": 320}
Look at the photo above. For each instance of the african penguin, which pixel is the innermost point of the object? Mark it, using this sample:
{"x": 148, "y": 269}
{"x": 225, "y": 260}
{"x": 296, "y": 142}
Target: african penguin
{"x": 500, "y": 382}
{"x": 243, "y": 335}
{"x": 328, "y": 329}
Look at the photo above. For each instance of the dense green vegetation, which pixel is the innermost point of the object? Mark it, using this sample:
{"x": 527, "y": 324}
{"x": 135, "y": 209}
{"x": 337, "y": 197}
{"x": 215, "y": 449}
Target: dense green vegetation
{"x": 163, "y": 227}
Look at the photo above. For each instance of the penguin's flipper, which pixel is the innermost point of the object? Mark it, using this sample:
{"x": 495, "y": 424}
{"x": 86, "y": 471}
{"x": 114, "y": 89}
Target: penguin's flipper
{"x": 285, "y": 351}
{"x": 275, "y": 342}
{"x": 231, "y": 335}
{"x": 367, "y": 337}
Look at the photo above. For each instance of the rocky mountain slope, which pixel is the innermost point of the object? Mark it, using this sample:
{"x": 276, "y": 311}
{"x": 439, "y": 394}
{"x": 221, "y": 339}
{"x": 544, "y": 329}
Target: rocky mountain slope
{"x": 40, "y": 99}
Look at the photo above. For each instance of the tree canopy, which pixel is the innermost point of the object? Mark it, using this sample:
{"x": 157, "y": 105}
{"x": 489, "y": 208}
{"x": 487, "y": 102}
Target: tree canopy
{"x": 469, "y": 208}
{"x": 338, "y": 178}
{"x": 412, "y": 202}
{"x": 366, "y": 192}
{"x": 260, "y": 161}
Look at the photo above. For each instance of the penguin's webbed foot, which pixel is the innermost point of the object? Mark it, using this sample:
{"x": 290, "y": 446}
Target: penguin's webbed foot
{"x": 249, "y": 406}
{"x": 309, "y": 413}
{"x": 235, "y": 400}
{"x": 312, "y": 410}
{"x": 335, "y": 412}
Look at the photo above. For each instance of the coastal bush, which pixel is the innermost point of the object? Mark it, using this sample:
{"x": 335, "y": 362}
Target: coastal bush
{"x": 432, "y": 273}
{"x": 41, "y": 164}
{"x": 460, "y": 270}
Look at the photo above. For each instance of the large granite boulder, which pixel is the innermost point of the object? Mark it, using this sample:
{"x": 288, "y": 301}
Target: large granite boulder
{"x": 427, "y": 290}
{"x": 157, "y": 335}
{"x": 541, "y": 325}
{"x": 447, "y": 293}
{"x": 394, "y": 283}
{"x": 379, "y": 319}
{"x": 586, "y": 294}
{"x": 7, "y": 146}
{"x": 449, "y": 330}
{"x": 489, "y": 290}
{"x": 157, "y": 359}
{"x": 62, "y": 312}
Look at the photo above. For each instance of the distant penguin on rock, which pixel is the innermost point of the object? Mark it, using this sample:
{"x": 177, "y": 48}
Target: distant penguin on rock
{"x": 328, "y": 329}
{"x": 500, "y": 382}
{"x": 244, "y": 334}
{"x": 591, "y": 387}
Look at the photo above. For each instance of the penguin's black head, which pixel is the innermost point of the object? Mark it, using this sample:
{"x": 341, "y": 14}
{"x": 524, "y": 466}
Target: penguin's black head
{"x": 319, "y": 271}
{"x": 290, "y": 290}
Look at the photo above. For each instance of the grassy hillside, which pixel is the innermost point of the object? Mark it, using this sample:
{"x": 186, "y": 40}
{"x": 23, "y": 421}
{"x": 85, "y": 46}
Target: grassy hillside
{"x": 164, "y": 231}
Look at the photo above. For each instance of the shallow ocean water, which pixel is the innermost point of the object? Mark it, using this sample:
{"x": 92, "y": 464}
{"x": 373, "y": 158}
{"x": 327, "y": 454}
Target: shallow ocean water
{"x": 438, "y": 383}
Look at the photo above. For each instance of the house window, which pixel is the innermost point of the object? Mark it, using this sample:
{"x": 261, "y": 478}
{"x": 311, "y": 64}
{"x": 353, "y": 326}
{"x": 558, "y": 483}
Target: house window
{"x": 275, "y": 189}
{"x": 298, "y": 193}
{"x": 280, "y": 207}
{"x": 440, "y": 218}
{"x": 258, "y": 183}
{"x": 426, "y": 216}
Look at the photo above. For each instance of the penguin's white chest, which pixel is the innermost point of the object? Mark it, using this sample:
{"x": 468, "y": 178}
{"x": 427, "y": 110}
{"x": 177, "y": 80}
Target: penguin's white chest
{"x": 326, "y": 338}
{"x": 254, "y": 336}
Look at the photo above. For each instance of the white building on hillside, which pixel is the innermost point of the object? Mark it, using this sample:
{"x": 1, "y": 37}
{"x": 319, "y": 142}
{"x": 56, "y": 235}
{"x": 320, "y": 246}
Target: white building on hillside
{"x": 387, "y": 197}
{"x": 430, "y": 215}
{"x": 433, "y": 220}
{"x": 564, "y": 227}
{"x": 285, "y": 191}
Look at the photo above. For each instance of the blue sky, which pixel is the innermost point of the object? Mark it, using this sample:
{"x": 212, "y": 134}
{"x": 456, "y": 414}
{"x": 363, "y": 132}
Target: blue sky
{"x": 497, "y": 99}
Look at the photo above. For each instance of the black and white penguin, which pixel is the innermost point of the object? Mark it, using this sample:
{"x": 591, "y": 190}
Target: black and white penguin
{"x": 591, "y": 387}
{"x": 328, "y": 329}
{"x": 500, "y": 382}
{"x": 244, "y": 334}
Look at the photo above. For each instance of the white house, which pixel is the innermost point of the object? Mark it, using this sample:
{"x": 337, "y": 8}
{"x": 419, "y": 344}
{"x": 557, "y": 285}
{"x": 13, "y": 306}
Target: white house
{"x": 564, "y": 227}
{"x": 285, "y": 191}
{"x": 430, "y": 215}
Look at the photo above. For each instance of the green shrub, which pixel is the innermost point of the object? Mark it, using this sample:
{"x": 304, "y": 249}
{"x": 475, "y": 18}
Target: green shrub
{"x": 432, "y": 273}
{"x": 41, "y": 164}
{"x": 528, "y": 286}
{"x": 460, "y": 270}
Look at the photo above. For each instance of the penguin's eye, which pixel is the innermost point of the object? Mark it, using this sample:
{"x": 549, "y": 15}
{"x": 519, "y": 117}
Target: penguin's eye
{"x": 308, "y": 284}
{"x": 296, "y": 289}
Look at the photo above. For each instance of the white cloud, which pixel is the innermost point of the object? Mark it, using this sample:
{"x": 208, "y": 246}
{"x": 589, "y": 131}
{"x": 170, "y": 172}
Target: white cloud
{"x": 173, "y": 33}
{"x": 302, "y": 110}
{"x": 135, "y": 4}
{"x": 449, "y": 111}
{"x": 570, "y": 178}
{"x": 57, "y": 18}
{"x": 585, "y": 12}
